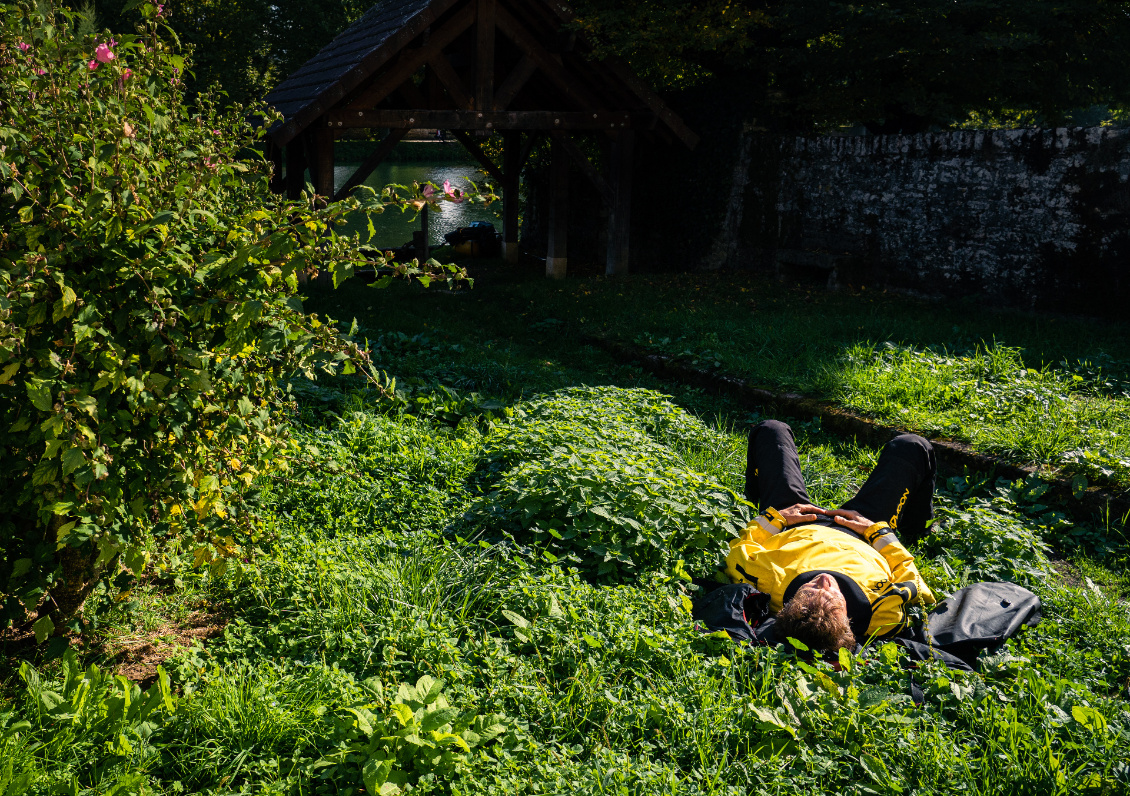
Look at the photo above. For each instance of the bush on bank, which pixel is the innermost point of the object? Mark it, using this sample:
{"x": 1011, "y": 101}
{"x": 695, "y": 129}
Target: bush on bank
{"x": 148, "y": 309}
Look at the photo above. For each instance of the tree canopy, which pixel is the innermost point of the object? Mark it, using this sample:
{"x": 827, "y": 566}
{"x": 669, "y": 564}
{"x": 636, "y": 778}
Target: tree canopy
{"x": 902, "y": 65}
{"x": 898, "y": 66}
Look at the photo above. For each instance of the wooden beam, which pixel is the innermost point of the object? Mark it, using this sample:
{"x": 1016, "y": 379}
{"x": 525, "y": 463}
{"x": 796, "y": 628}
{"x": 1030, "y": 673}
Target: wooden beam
{"x": 362, "y": 71}
{"x": 557, "y": 258}
{"x": 688, "y": 136}
{"x": 527, "y": 148}
{"x": 447, "y": 76}
{"x": 585, "y": 165}
{"x": 411, "y": 60}
{"x": 552, "y": 68}
{"x": 620, "y": 219}
{"x": 484, "y": 54}
{"x": 366, "y": 168}
{"x": 514, "y": 82}
{"x": 323, "y": 161}
{"x": 637, "y": 86}
{"x": 477, "y": 153}
{"x": 295, "y": 167}
{"x": 511, "y": 169}
{"x": 482, "y": 120}
{"x": 421, "y": 237}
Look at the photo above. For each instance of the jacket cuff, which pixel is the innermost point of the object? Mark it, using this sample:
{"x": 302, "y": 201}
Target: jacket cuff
{"x": 772, "y": 521}
{"x": 877, "y": 534}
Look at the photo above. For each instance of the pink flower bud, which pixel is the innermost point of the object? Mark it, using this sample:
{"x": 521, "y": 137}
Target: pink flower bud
{"x": 127, "y": 74}
{"x": 103, "y": 54}
{"x": 92, "y": 65}
{"x": 24, "y": 46}
{"x": 41, "y": 71}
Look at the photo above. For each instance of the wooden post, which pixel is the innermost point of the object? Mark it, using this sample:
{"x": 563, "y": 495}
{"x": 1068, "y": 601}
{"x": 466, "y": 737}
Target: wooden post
{"x": 484, "y": 54}
{"x": 557, "y": 258}
{"x": 323, "y": 171}
{"x": 295, "y": 167}
{"x": 511, "y": 169}
{"x": 421, "y": 237}
{"x": 620, "y": 217}
{"x": 275, "y": 155}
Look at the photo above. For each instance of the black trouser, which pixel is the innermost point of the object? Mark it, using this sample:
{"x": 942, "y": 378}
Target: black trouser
{"x": 899, "y": 491}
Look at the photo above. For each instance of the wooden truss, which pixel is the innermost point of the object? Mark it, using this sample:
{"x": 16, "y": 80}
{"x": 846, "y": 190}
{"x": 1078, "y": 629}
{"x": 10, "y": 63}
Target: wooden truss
{"x": 474, "y": 67}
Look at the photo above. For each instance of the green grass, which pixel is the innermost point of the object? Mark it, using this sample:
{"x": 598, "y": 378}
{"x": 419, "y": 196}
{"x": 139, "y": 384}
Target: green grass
{"x": 1034, "y": 389}
{"x": 386, "y": 578}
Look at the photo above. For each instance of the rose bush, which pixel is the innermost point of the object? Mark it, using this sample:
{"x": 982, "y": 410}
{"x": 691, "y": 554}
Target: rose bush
{"x": 148, "y": 309}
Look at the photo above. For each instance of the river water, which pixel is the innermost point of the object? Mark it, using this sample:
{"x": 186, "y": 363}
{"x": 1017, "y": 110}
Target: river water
{"x": 394, "y": 228}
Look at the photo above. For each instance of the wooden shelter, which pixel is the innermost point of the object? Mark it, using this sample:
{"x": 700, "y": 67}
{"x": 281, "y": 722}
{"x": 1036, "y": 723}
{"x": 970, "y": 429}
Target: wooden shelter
{"x": 474, "y": 67}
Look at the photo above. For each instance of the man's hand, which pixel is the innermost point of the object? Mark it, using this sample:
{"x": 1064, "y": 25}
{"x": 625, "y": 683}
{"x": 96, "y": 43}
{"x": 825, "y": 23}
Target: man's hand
{"x": 852, "y": 520}
{"x": 801, "y": 512}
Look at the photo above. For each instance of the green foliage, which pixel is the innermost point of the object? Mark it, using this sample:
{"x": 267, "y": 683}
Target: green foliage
{"x": 586, "y": 472}
{"x": 988, "y": 539}
{"x": 147, "y": 307}
{"x": 603, "y": 687}
{"x": 101, "y": 728}
{"x": 243, "y": 48}
{"x": 895, "y": 67}
{"x": 1070, "y": 416}
{"x": 418, "y": 735}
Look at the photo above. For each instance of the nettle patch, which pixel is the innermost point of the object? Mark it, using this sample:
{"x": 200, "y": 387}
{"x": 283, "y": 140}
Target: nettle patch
{"x": 593, "y": 475}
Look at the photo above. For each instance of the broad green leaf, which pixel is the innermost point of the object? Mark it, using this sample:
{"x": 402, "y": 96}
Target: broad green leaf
{"x": 434, "y": 719}
{"x": 1088, "y": 717}
{"x": 428, "y": 689}
{"x": 43, "y": 628}
{"x": 73, "y": 458}
{"x": 39, "y": 392}
{"x": 375, "y": 776}
{"x": 517, "y": 619}
{"x": 403, "y": 713}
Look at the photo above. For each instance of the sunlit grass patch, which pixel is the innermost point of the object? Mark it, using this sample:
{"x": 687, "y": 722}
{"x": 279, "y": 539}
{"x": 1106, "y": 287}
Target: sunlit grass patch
{"x": 988, "y": 397}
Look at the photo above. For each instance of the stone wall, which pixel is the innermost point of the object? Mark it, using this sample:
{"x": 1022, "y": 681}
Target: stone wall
{"x": 1032, "y": 218}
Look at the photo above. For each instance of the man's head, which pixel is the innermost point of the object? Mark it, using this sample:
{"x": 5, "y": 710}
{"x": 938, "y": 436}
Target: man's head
{"x": 817, "y": 617}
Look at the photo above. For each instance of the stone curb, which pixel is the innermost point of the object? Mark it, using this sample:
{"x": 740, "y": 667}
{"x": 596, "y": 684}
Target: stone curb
{"x": 952, "y": 456}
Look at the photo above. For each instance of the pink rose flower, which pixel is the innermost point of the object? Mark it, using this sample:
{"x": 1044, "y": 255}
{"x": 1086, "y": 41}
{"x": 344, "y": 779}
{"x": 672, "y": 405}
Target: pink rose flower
{"x": 103, "y": 54}
{"x": 92, "y": 65}
{"x": 428, "y": 191}
{"x": 453, "y": 194}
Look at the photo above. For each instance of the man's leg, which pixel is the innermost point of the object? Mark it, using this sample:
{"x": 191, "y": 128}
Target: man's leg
{"x": 772, "y": 475}
{"x": 900, "y": 490}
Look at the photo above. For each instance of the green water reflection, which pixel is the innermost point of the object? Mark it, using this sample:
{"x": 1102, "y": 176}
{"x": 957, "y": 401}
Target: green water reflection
{"x": 394, "y": 228}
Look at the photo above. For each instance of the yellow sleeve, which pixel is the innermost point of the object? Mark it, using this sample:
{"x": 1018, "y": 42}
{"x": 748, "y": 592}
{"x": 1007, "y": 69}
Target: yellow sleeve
{"x": 744, "y": 549}
{"x": 904, "y": 575}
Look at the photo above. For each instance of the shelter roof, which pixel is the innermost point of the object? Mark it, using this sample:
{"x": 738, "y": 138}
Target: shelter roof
{"x": 550, "y": 69}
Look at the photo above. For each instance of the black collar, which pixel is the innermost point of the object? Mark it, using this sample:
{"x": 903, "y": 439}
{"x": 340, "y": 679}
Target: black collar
{"x": 858, "y": 606}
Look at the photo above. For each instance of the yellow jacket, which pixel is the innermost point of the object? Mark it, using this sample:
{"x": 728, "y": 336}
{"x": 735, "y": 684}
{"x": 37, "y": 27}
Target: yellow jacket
{"x": 878, "y": 579}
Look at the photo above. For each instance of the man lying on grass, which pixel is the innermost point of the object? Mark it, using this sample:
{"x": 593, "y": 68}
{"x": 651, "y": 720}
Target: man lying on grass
{"x": 834, "y": 577}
